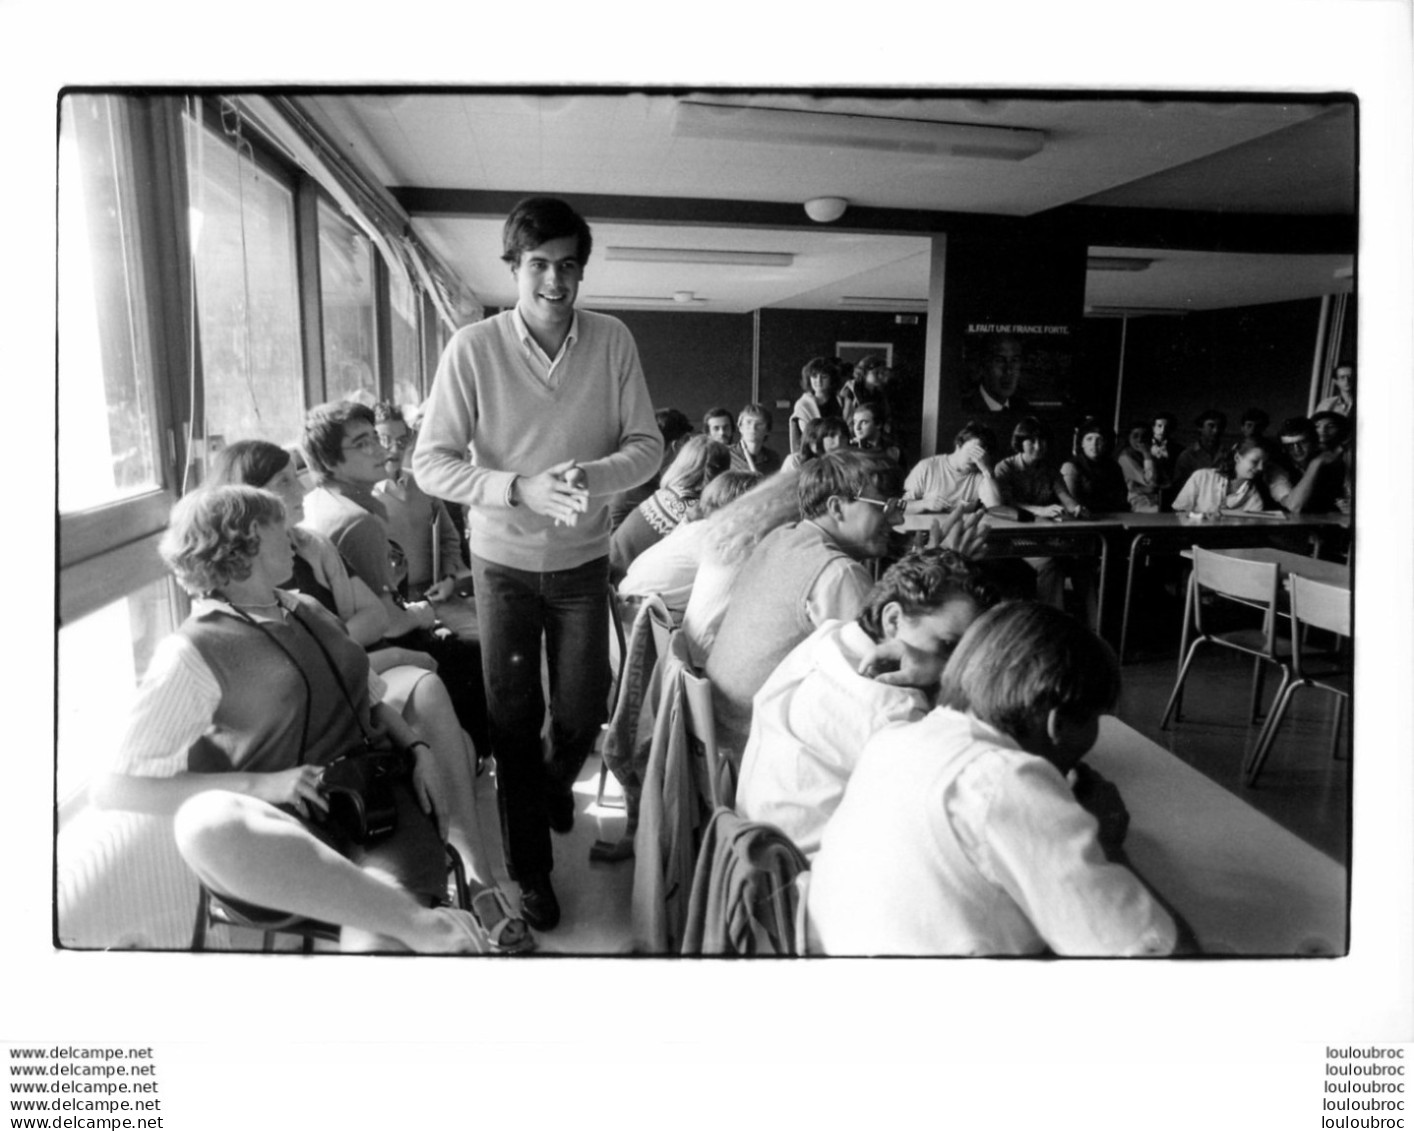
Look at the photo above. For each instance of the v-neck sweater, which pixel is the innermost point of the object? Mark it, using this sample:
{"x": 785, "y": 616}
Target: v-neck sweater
{"x": 499, "y": 408}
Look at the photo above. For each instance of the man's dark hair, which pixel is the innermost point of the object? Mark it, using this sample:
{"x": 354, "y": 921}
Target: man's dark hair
{"x": 922, "y": 582}
{"x": 673, "y": 424}
{"x": 1297, "y": 426}
{"x": 324, "y": 427}
{"x": 1257, "y": 416}
{"x": 249, "y": 463}
{"x": 972, "y": 430}
{"x": 714, "y": 413}
{"x": 537, "y": 220}
{"x": 1342, "y": 423}
{"x": 1212, "y": 414}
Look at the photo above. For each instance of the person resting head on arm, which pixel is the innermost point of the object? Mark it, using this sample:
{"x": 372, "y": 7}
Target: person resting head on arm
{"x": 960, "y": 478}
{"x": 846, "y": 682}
{"x": 959, "y": 834}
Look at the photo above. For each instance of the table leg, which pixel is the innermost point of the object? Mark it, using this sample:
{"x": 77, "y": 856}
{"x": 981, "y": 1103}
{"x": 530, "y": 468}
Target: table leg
{"x": 1190, "y": 595}
{"x": 1140, "y": 540}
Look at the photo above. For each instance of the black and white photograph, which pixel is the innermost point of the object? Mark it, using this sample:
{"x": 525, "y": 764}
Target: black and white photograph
{"x": 575, "y": 550}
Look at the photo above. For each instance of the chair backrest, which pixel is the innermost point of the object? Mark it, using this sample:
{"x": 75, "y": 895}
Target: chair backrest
{"x": 1241, "y": 578}
{"x": 745, "y": 897}
{"x": 701, "y": 724}
{"x": 1315, "y": 604}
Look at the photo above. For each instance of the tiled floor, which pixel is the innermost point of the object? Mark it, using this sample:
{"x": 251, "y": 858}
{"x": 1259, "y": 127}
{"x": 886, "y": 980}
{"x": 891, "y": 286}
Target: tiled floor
{"x": 594, "y": 897}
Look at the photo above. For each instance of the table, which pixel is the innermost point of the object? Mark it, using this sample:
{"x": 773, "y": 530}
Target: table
{"x": 1135, "y": 534}
{"x": 1045, "y": 538}
{"x": 1244, "y": 884}
{"x": 1173, "y": 532}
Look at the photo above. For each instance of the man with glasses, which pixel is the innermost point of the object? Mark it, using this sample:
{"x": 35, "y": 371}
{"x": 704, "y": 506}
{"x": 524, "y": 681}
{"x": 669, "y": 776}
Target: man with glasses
{"x": 420, "y": 524}
{"x": 798, "y": 577}
{"x": 348, "y": 459}
{"x": 1313, "y": 480}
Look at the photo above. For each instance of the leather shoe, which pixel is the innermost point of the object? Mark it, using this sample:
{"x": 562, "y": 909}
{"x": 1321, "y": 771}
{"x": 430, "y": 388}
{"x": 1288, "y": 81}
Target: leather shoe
{"x": 538, "y": 905}
{"x": 559, "y": 808}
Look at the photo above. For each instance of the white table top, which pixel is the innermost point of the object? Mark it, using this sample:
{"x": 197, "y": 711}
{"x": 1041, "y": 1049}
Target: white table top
{"x": 1245, "y": 884}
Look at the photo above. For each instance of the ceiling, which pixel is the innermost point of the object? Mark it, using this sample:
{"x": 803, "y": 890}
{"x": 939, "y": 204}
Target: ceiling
{"x": 1237, "y": 159}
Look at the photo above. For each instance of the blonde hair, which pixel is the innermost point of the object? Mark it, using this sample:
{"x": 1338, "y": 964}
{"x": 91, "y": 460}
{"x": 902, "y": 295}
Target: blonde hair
{"x": 700, "y": 460}
{"x": 733, "y": 531}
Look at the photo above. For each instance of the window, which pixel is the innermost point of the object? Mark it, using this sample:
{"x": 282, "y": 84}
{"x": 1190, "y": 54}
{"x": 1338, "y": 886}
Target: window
{"x": 242, "y": 222}
{"x": 101, "y": 658}
{"x": 346, "y": 284}
{"x": 108, "y": 441}
{"x": 407, "y": 356}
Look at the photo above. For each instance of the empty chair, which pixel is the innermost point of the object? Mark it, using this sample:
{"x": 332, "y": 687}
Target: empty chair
{"x": 1317, "y": 605}
{"x": 1245, "y": 582}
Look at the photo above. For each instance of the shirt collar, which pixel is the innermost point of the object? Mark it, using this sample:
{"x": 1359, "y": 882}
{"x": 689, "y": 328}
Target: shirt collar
{"x": 524, "y": 334}
{"x": 990, "y": 401}
{"x": 988, "y": 733}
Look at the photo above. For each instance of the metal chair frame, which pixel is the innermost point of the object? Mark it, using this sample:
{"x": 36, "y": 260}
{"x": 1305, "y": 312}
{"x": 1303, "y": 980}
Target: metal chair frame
{"x": 1317, "y": 605}
{"x": 1247, "y": 582}
{"x": 212, "y": 910}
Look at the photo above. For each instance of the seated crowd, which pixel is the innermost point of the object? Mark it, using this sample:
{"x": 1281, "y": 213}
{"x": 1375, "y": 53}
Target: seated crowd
{"x": 918, "y": 737}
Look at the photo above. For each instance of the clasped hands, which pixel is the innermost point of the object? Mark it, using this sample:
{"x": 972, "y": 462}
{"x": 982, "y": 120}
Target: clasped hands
{"x": 560, "y": 492}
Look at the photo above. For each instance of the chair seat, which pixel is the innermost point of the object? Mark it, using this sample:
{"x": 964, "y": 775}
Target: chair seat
{"x": 1252, "y": 640}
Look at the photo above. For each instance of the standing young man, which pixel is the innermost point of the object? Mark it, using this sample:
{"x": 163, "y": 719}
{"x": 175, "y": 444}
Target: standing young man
{"x": 536, "y": 417}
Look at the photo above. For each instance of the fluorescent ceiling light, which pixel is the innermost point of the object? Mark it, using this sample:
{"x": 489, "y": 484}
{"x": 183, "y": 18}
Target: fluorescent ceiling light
{"x": 1118, "y": 263}
{"x": 642, "y": 300}
{"x": 701, "y": 255}
{"x": 875, "y": 303}
{"x": 770, "y": 126}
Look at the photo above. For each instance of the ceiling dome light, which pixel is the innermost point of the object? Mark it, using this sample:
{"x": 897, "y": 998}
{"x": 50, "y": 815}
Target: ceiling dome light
{"x": 826, "y": 209}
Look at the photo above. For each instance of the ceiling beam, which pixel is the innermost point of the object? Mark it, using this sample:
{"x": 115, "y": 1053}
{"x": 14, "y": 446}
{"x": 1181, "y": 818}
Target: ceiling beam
{"x": 1099, "y": 226}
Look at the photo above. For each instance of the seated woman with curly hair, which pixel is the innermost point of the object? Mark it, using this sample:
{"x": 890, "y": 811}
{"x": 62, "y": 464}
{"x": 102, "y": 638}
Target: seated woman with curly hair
{"x": 241, "y": 711}
{"x": 411, "y": 683}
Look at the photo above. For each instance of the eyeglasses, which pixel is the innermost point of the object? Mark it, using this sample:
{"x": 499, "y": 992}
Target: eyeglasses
{"x": 888, "y": 506}
{"x": 397, "y": 443}
{"x": 367, "y": 444}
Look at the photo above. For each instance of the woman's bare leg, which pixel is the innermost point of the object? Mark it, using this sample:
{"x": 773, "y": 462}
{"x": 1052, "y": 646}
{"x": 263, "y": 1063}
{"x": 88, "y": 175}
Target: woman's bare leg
{"x": 248, "y": 849}
{"x": 429, "y": 712}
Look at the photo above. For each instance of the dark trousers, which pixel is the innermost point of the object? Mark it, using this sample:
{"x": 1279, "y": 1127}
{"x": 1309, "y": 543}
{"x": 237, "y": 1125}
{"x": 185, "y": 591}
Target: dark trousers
{"x": 569, "y": 611}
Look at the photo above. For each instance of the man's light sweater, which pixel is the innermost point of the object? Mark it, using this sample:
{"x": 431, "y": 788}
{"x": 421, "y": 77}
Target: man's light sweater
{"x": 499, "y": 408}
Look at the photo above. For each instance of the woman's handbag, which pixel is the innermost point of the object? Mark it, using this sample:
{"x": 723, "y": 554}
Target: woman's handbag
{"x": 359, "y": 788}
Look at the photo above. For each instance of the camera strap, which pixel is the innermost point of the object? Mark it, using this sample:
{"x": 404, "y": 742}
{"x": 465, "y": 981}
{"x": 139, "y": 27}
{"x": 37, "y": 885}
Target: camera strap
{"x": 304, "y": 677}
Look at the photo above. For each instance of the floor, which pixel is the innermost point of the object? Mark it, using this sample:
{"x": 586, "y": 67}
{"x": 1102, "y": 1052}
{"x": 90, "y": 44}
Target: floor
{"x": 1301, "y": 788}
